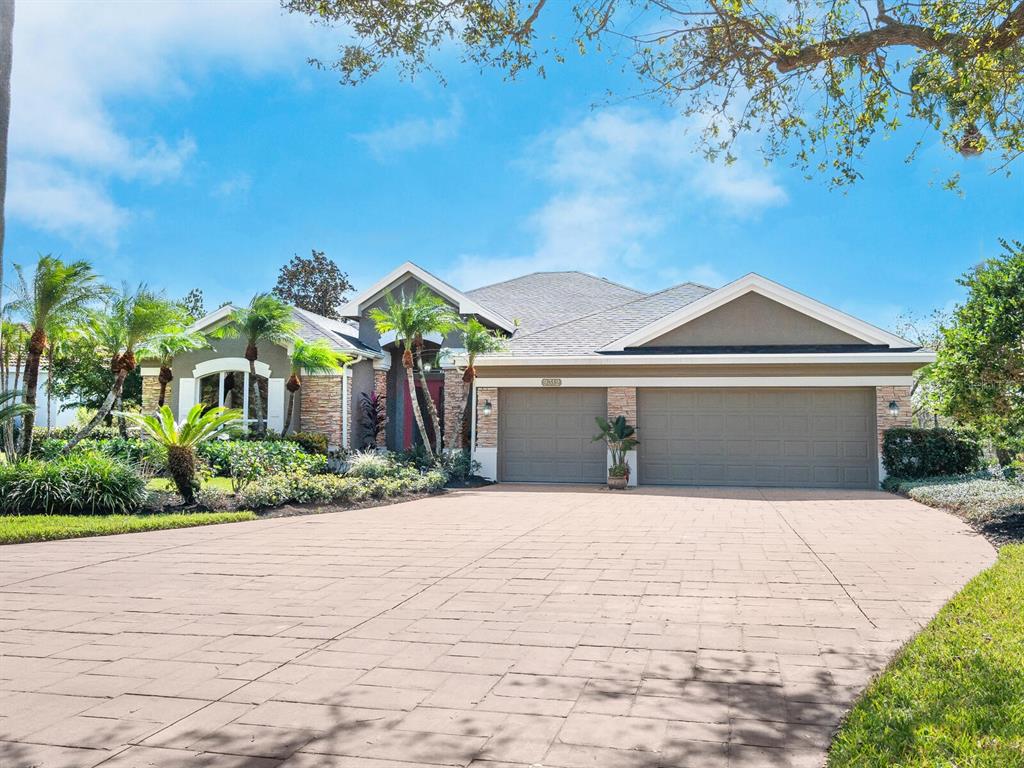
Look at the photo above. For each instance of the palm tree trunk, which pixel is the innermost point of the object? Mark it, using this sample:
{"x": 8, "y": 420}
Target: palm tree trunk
{"x": 416, "y": 410}
{"x": 36, "y": 346}
{"x": 122, "y": 423}
{"x": 464, "y": 417}
{"x": 113, "y": 396}
{"x": 49, "y": 390}
{"x": 257, "y": 397}
{"x": 431, "y": 407}
{"x": 6, "y": 57}
{"x": 288, "y": 414}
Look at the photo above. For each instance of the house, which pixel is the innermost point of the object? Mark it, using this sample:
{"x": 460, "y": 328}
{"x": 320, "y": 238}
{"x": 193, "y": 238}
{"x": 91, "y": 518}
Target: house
{"x": 749, "y": 384}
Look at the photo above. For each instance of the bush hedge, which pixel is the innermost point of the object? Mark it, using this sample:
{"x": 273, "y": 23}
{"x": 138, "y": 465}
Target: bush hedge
{"x": 303, "y": 488}
{"x": 85, "y": 483}
{"x": 910, "y": 453}
{"x": 272, "y": 456}
{"x": 131, "y": 450}
{"x": 979, "y": 498}
{"x": 311, "y": 442}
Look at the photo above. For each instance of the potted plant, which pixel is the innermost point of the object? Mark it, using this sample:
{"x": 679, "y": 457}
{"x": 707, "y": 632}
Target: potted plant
{"x": 619, "y": 436}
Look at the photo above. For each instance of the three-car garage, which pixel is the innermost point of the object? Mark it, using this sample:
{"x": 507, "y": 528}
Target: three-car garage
{"x": 821, "y": 437}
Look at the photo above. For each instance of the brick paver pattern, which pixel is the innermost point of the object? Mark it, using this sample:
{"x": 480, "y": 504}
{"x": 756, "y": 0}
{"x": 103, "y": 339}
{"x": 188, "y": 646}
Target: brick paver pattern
{"x": 508, "y": 626}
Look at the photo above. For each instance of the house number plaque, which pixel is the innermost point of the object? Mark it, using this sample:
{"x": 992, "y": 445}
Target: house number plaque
{"x": 551, "y": 382}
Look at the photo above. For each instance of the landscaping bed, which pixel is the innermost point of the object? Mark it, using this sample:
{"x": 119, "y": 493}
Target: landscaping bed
{"x": 990, "y": 504}
{"x": 955, "y": 695}
{"x": 19, "y": 529}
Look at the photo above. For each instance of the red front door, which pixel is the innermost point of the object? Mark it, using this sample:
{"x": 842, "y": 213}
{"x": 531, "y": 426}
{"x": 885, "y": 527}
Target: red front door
{"x": 434, "y": 386}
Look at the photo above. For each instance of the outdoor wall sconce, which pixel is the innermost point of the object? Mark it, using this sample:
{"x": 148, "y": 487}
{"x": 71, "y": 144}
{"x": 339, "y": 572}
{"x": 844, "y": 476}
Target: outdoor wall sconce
{"x": 487, "y": 408}
{"x": 428, "y": 366}
{"x": 894, "y": 408}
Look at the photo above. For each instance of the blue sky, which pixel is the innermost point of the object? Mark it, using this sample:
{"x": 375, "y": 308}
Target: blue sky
{"x": 190, "y": 145}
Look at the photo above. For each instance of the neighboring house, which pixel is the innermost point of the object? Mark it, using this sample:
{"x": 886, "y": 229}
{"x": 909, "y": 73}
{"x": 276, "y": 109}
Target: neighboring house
{"x": 749, "y": 384}
{"x": 62, "y": 412}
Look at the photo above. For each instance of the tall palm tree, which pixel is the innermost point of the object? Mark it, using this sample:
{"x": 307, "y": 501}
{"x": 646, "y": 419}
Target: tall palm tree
{"x": 433, "y": 315}
{"x": 477, "y": 339}
{"x": 165, "y": 347}
{"x": 309, "y": 357}
{"x": 58, "y": 294}
{"x": 410, "y": 318}
{"x": 267, "y": 320}
{"x": 133, "y": 319}
{"x": 12, "y": 356}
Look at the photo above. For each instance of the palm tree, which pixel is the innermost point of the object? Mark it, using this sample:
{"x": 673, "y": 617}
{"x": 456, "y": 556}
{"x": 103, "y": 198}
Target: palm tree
{"x": 133, "y": 319}
{"x": 409, "y": 319}
{"x": 433, "y": 315}
{"x": 267, "y": 320}
{"x": 477, "y": 339}
{"x": 15, "y": 340}
{"x": 309, "y": 357}
{"x": 10, "y": 407}
{"x": 58, "y": 295}
{"x": 181, "y": 440}
{"x": 6, "y": 57}
{"x": 165, "y": 347}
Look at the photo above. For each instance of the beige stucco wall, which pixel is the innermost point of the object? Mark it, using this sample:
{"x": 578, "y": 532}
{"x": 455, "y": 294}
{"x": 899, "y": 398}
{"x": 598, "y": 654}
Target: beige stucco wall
{"x": 753, "y": 319}
{"x": 271, "y": 354}
{"x": 368, "y": 331}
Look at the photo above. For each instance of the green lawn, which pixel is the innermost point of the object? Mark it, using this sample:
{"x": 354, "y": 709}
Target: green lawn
{"x": 222, "y": 484}
{"x": 20, "y": 529}
{"x": 955, "y": 696}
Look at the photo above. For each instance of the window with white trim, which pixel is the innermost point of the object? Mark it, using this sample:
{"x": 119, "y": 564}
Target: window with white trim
{"x": 234, "y": 389}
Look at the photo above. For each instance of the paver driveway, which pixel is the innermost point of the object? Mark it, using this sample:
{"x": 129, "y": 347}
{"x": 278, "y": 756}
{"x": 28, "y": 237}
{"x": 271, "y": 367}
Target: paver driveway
{"x": 546, "y": 625}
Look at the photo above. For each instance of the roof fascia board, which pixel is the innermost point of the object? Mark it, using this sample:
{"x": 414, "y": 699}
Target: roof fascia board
{"x": 769, "y": 289}
{"x": 465, "y": 304}
{"x": 921, "y": 357}
{"x": 213, "y": 318}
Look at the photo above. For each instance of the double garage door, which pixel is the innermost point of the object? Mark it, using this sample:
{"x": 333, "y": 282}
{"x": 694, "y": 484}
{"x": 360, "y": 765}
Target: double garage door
{"x": 813, "y": 437}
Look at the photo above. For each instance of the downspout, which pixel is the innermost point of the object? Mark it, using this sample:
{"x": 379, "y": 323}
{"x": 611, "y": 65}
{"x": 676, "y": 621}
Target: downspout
{"x": 472, "y": 422}
{"x": 346, "y": 372}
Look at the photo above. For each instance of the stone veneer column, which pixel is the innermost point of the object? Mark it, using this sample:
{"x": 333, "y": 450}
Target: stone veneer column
{"x": 454, "y": 400}
{"x": 151, "y": 393}
{"x": 320, "y": 407}
{"x": 883, "y": 396}
{"x": 380, "y": 388}
{"x": 622, "y": 402}
{"x": 485, "y": 449}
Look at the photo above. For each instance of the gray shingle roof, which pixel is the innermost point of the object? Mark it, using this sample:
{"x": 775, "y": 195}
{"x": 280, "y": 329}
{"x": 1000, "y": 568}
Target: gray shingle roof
{"x": 544, "y": 299}
{"x": 585, "y": 335}
{"x": 339, "y": 334}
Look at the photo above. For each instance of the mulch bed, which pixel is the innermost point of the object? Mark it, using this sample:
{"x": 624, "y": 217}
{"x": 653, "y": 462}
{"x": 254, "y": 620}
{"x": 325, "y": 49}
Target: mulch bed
{"x": 1001, "y": 531}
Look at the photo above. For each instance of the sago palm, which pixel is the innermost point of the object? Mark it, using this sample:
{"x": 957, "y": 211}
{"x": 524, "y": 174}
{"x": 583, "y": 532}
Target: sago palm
{"x": 313, "y": 357}
{"x": 477, "y": 339}
{"x": 267, "y": 320}
{"x": 132, "y": 320}
{"x": 165, "y": 347}
{"x": 181, "y": 439}
{"x": 57, "y": 293}
{"x": 11, "y": 407}
{"x": 410, "y": 318}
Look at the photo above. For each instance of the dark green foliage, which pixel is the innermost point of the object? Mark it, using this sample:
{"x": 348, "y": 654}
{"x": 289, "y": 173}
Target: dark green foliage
{"x": 314, "y": 283}
{"x": 82, "y": 379}
{"x": 275, "y": 455}
{"x": 908, "y": 452}
{"x": 310, "y": 442}
{"x": 81, "y": 484}
{"x": 301, "y": 488}
{"x": 129, "y": 450}
{"x": 66, "y": 433}
{"x": 192, "y": 304}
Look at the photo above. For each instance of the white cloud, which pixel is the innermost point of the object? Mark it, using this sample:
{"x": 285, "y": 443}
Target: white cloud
{"x": 619, "y": 179}
{"x": 73, "y": 61}
{"x": 413, "y": 133}
{"x": 233, "y": 186}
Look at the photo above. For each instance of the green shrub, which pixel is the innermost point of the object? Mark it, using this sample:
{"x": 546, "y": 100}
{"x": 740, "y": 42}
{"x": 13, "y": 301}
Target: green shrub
{"x": 310, "y": 442}
{"x": 910, "y": 453}
{"x": 66, "y": 433}
{"x": 458, "y": 465}
{"x": 979, "y": 497}
{"x": 81, "y": 484}
{"x": 370, "y": 464}
{"x": 301, "y": 488}
{"x": 130, "y": 450}
{"x": 273, "y": 456}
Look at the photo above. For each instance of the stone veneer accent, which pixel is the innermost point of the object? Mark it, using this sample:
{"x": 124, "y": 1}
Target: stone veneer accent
{"x": 151, "y": 393}
{"x": 487, "y": 426}
{"x": 622, "y": 402}
{"x": 883, "y": 396}
{"x": 380, "y": 388}
{"x": 320, "y": 407}
{"x": 454, "y": 394}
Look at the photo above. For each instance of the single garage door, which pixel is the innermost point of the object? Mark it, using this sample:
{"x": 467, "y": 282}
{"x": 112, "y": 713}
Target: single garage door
{"x": 783, "y": 437}
{"x": 547, "y": 435}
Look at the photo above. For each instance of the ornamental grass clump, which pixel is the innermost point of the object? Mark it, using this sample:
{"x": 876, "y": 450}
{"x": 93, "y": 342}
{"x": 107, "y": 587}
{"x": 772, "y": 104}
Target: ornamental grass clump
{"x": 81, "y": 484}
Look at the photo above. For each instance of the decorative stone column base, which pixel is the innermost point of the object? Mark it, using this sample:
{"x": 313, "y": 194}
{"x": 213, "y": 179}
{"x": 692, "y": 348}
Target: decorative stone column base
{"x": 883, "y": 419}
{"x": 622, "y": 402}
{"x": 485, "y": 449}
{"x": 380, "y": 388}
{"x": 454, "y": 399}
{"x": 151, "y": 393}
{"x": 320, "y": 407}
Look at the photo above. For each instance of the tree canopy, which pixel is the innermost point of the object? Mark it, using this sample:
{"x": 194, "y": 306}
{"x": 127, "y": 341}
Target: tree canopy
{"x": 314, "y": 283}
{"x": 818, "y": 79}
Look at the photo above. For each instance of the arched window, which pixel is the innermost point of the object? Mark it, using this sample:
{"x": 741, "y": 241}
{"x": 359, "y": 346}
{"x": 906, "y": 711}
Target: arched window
{"x": 234, "y": 389}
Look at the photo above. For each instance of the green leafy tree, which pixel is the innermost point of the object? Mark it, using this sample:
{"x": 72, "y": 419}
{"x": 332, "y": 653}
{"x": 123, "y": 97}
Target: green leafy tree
{"x": 315, "y": 283}
{"x": 267, "y": 320}
{"x": 313, "y": 357}
{"x": 57, "y": 294}
{"x": 820, "y": 79}
{"x": 192, "y": 305}
{"x": 181, "y": 440}
{"x": 165, "y": 347}
{"x": 133, "y": 319}
{"x": 410, "y": 318}
{"x": 979, "y": 374}
{"x": 477, "y": 339}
